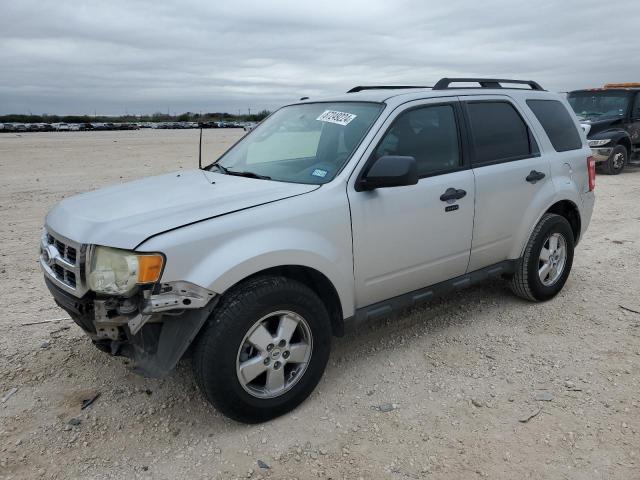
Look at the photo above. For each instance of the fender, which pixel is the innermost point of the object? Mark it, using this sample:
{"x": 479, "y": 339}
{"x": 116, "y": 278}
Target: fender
{"x": 229, "y": 264}
{"x": 221, "y": 252}
{"x": 615, "y": 134}
{"x": 527, "y": 227}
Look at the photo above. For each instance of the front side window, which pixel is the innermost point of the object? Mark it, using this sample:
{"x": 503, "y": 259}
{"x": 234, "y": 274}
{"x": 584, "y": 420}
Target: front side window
{"x": 429, "y": 134}
{"x": 306, "y": 143}
{"x": 499, "y": 133}
{"x": 557, "y": 123}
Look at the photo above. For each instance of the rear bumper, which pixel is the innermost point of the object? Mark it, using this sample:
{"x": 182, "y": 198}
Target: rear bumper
{"x": 158, "y": 345}
{"x": 601, "y": 154}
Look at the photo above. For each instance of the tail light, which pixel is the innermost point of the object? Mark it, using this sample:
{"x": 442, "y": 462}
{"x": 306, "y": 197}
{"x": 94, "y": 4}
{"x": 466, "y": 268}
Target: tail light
{"x": 591, "y": 167}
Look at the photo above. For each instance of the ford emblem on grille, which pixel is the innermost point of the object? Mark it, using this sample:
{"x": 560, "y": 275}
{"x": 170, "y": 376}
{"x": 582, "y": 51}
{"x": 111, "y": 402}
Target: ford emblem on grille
{"x": 49, "y": 255}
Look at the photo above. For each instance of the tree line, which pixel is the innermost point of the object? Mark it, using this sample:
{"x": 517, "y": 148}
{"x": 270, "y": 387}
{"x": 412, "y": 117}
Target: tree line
{"x": 155, "y": 117}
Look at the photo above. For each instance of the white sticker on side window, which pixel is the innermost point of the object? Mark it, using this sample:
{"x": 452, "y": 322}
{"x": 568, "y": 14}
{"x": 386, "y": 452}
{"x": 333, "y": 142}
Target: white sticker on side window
{"x": 332, "y": 116}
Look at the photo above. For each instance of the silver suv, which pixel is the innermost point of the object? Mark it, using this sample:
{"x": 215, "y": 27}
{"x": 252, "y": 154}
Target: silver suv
{"x": 330, "y": 213}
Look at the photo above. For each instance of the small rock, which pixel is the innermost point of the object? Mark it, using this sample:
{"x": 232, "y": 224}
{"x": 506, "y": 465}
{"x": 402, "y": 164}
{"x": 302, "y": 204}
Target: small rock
{"x": 477, "y": 403}
{"x": 74, "y": 421}
{"x": 45, "y": 344}
{"x": 569, "y": 384}
{"x": 387, "y": 407}
{"x": 543, "y": 397}
{"x": 262, "y": 464}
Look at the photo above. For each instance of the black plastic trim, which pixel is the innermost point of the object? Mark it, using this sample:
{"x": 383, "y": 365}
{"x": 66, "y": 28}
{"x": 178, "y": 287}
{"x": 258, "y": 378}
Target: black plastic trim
{"x": 361, "y": 88}
{"x": 444, "y": 83}
{"x": 393, "y": 305}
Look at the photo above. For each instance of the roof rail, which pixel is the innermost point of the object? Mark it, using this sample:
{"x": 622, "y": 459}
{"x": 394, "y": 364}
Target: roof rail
{"x": 384, "y": 87}
{"x": 444, "y": 83}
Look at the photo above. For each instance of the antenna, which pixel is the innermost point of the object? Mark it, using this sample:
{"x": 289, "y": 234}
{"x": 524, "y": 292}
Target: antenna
{"x": 200, "y": 151}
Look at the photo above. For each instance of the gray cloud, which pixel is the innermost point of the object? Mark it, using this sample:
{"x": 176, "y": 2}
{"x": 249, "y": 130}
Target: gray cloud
{"x": 72, "y": 56}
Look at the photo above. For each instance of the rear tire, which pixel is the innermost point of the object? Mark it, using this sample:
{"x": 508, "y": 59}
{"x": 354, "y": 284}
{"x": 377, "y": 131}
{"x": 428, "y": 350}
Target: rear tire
{"x": 545, "y": 266}
{"x": 246, "y": 363}
{"x": 616, "y": 162}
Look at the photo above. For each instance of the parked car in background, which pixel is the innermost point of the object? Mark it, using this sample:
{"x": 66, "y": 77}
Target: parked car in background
{"x": 61, "y": 127}
{"x": 610, "y": 117}
{"x": 249, "y": 126}
{"x": 334, "y": 212}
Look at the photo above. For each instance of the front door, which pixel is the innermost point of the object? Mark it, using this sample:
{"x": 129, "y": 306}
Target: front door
{"x": 406, "y": 238}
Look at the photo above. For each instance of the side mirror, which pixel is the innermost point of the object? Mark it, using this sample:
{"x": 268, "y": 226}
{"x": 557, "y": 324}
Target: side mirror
{"x": 389, "y": 171}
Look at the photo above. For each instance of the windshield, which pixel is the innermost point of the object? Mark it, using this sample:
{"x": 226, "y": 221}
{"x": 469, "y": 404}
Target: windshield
{"x": 599, "y": 104}
{"x": 307, "y": 143}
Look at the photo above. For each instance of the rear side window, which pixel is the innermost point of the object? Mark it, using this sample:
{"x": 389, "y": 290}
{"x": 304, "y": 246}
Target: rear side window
{"x": 499, "y": 133}
{"x": 556, "y": 121}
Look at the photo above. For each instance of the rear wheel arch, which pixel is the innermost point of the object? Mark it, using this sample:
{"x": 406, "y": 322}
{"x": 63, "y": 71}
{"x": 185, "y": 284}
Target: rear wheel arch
{"x": 570, "y": 211}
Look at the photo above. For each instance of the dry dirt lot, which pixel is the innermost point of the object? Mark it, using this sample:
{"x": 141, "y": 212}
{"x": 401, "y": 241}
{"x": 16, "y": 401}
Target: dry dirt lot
{"x": 455, "y": 379}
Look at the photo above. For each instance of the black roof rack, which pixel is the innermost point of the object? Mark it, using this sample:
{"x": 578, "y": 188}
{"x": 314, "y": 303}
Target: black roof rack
{"x": 384, "y": 87}
{"x": 444, "y": 83}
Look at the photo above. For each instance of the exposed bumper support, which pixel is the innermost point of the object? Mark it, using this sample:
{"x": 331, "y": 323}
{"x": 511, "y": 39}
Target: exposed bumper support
{"x": 601, "y": 154}
{"x": 155, "y": 332}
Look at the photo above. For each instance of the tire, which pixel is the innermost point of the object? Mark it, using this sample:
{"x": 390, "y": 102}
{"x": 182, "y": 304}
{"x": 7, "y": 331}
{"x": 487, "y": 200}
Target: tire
{"x": 616, "y": 162}
{"x": 224, "y": 346}
{"x": 528, "y": 282}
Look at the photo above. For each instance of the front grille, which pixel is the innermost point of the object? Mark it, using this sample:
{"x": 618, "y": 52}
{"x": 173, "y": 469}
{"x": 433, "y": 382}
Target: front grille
{"x": 67, "y": 252}
{"x": 63, "y": 262}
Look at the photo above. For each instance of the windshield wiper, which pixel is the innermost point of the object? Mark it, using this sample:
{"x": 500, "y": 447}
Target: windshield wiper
{"x": 246, "y": 174}
{"x": 220, "y": 167}
{"x": 226, "y": 171}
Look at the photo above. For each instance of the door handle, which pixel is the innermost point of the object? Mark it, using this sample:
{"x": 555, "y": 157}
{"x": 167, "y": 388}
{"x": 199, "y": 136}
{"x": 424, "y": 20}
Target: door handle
{"x": 534, "y": 176}
{"x": 452, "y": 194}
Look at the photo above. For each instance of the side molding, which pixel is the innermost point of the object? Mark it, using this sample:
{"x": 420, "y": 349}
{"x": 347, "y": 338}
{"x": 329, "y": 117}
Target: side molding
{"x": 423, "y": 295}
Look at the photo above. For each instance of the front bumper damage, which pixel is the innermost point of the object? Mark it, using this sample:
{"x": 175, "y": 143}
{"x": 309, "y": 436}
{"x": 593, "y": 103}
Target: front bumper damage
{"x": 601, "y": 154}
{"x": 153, "y": 329}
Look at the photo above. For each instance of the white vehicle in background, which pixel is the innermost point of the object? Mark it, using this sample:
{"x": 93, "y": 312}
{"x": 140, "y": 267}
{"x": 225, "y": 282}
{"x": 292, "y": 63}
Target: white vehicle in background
{"x": 331, "y": 213}
{"x": 61, "y": 127}
{"x": 249, "y": 126}
{"x": 74, "y": 127}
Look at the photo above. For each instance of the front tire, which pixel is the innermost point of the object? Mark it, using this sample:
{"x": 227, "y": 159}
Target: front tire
{"x": 264, "y": 349}
{"x": 616, "y": 161}
{"x": 545, "y": 266}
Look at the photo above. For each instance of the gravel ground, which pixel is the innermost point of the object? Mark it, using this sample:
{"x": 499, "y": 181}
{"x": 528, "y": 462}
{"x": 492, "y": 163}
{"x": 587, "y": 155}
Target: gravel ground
{"x": 477, "y": 385}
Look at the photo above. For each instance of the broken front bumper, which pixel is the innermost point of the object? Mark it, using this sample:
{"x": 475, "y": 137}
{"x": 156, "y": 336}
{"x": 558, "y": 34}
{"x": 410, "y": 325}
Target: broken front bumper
{"x": 153, "y": 330}
{"x": 601, "y": 154}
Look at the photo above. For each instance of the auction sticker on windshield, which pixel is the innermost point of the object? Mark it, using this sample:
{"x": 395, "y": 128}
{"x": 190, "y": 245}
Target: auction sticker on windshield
{"x": 332, "y": 116}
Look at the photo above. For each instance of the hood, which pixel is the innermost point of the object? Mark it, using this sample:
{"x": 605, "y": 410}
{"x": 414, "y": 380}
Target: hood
{"x": 125, "y": 215}
{"x": 595, "y": 125}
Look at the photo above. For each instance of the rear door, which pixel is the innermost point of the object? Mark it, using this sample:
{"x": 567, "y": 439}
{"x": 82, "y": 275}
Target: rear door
{"x": 509, "y": 173}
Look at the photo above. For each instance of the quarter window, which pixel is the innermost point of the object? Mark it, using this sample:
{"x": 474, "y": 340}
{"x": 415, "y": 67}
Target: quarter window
{"x": 499, "y": 133}
{"x": 557, "y": 123}
{"x": 429, "y": 134}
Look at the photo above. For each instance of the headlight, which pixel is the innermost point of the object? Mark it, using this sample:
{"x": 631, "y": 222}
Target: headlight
{"x": 599, "y": 143}
{"x": 117, "y": 272}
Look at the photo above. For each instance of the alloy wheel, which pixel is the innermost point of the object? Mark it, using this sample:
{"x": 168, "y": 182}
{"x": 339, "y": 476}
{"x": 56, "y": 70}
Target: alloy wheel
{"x": 553, "y": 258}
{"x": 274, "y": 354}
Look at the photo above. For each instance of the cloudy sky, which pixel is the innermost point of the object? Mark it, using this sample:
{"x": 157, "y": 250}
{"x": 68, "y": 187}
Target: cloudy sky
{"x": 117, "y": 56}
